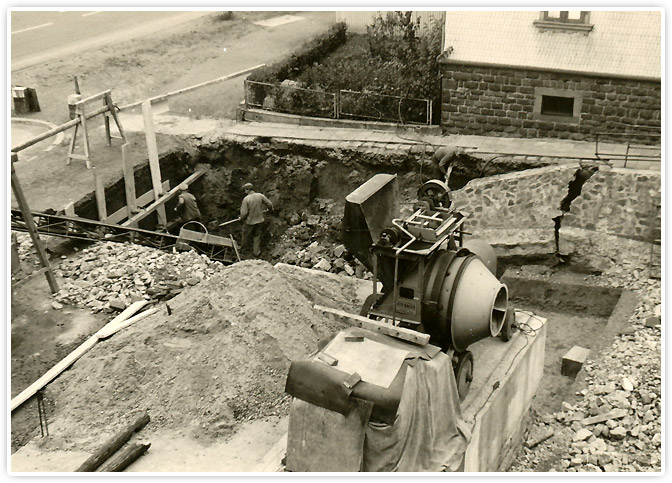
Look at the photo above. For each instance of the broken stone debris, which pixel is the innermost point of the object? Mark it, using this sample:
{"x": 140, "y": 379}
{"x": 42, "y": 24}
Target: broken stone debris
{"x": 621, "y": 401}
{"x": 111, "y": 276}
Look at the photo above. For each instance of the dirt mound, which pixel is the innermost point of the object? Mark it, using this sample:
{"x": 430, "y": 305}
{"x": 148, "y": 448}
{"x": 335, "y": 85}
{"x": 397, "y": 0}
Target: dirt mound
{"x": 220, "y": 358}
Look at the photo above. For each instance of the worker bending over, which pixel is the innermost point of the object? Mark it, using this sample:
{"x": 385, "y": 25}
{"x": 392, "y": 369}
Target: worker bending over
{"x": 442, "y": 162}
{"x": 251, "y": 214}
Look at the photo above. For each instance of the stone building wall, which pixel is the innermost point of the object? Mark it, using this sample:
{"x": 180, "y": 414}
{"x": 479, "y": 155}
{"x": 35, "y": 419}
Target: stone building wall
{"x": 496, "y": 101}
{"x": 619, "y": 202}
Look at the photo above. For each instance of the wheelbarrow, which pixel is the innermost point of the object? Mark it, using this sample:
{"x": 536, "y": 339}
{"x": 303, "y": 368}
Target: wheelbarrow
{"x": 215, "y": 247}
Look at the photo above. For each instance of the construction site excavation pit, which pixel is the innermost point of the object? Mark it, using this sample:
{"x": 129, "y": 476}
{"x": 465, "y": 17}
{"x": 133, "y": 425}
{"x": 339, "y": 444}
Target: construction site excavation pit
{"x": 210, "y": 365}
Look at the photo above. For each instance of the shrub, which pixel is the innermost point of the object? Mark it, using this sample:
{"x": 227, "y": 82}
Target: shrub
{"x": 310, "y": 53}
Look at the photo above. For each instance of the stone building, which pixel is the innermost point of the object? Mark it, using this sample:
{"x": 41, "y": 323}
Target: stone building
{"x": 562, "y": 74}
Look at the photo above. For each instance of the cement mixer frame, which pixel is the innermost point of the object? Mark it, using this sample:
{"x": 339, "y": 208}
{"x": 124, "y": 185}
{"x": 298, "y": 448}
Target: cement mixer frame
{"x": 432, "y": 281}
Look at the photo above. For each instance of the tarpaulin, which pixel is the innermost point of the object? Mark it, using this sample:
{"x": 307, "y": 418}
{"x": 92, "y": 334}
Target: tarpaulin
{"x": 414, "y": 423}
{"x": 425, "y": 434}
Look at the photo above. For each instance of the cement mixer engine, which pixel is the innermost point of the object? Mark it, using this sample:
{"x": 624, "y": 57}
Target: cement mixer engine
{"x": 433, "y": 279}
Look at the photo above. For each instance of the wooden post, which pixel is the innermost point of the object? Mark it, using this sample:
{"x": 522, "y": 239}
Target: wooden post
{"x": 85, "y": 131}
{"x": 154, "y": 166}
{"x": 113, "y": 113}
{"x": 112, "y": 445}
{"x": 125, "y": 458}
{"x": 100, "y": 196}
{"x": 32, "y": 229}
{"x": 129, "y": 181}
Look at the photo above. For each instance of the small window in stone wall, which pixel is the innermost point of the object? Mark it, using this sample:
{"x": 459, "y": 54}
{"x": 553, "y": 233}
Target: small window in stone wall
{"x": 557, "y": 105}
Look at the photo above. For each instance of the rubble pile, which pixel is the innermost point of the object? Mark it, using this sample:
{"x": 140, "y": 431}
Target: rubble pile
{"x": 614, "y": 424}
{"x": 111, "y": 276}
{"x": 312, "y": 241}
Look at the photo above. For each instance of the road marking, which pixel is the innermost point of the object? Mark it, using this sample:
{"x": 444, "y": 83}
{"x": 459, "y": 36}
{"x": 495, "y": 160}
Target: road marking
{"x": 91, "y": 13}
{"x": 33, "y": 28}
{"x": 277, "y": 21}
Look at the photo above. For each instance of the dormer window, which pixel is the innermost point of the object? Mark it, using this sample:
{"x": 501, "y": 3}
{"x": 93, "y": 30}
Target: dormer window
{"x": 564, "y": 20}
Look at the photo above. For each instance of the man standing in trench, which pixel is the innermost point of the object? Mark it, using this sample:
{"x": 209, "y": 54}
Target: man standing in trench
{"x": 251, "y": 215}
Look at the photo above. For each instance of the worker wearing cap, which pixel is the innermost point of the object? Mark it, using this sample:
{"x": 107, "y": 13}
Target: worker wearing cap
{"x": 251, "y": 214}
{"x": 442, "y": 162}
{"x": 187, "y": 206}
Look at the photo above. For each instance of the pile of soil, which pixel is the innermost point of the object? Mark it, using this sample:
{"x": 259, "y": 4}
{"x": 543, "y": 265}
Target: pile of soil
{"x": 220, "y": 358}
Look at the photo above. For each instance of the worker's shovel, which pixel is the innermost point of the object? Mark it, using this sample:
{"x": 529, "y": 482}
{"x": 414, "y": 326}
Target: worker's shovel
{"x": 229, "y": 222}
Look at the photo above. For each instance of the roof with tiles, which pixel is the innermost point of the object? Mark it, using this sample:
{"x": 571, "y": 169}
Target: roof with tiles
{"x": 622, "y": 43}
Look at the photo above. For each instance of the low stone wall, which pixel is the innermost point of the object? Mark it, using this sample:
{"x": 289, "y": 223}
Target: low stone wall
{"x": 527, "y": 199}
{"x": 608, "y": 228}
{"x": 619, "y": 202}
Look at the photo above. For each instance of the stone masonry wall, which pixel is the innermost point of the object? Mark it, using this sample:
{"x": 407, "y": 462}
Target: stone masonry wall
{"x": 619, "y": 202}
{"x": 500, "y": 102}
{"x": 527, "y": 199}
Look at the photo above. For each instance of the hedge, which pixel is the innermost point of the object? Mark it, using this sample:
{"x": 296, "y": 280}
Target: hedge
{"x": 310, "y": 53}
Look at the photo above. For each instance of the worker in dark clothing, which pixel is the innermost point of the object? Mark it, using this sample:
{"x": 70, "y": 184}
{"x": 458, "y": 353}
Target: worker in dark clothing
{"x": 442, "y": 162}
{"x": 188, "y": 208}
{"x": 251, "y": 214}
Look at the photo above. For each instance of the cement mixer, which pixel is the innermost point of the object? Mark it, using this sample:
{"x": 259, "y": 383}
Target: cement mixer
{"x": 433, "y": 280}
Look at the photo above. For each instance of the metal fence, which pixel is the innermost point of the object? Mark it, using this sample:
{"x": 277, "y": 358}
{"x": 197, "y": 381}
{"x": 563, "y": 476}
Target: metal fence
{"x": 289, "y": 99}
{"x": 641, "y": 146}
{"x": 345, "y": 104}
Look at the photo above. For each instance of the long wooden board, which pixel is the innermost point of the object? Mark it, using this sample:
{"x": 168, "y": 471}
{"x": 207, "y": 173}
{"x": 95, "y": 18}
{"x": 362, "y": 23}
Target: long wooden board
{"x": 68, "y": 360}
{"x": 163, "y": 200}
{"x": 141, "y": 201}
{"x": 370, "y": 324}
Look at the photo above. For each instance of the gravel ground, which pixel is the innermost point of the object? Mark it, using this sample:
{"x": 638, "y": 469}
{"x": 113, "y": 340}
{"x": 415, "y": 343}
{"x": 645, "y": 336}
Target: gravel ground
{"x": 614, "y": 424}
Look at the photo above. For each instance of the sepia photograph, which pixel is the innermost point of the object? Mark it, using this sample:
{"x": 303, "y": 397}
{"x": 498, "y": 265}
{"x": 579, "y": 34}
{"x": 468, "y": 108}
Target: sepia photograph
{"x": 335, "y": 240}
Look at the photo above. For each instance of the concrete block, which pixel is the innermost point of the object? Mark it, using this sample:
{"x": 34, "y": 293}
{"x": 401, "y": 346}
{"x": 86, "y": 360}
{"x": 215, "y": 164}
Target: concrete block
{"x": 573, "y": 361}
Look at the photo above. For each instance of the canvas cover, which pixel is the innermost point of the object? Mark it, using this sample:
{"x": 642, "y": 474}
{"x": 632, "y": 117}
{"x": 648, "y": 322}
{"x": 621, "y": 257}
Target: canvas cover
{"x": 421, "y": 432}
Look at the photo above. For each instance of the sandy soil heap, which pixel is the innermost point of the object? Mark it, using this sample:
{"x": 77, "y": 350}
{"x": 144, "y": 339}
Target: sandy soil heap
{"x": 221, "y": 357}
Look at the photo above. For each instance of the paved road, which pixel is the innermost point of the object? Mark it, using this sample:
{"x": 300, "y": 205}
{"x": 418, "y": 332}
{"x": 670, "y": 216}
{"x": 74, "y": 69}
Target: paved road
{"x": 39, "y": 36}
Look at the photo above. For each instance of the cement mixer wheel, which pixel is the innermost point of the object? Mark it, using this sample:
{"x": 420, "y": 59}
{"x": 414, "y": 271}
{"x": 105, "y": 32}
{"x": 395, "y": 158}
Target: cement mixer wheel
{"x": 463, "y": 366}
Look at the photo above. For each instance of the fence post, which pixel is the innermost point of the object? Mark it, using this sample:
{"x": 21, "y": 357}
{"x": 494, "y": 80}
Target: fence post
{"x": 247, "y": 100}
{"x": 336, "y": 105}
{"x": 430, "y": 110}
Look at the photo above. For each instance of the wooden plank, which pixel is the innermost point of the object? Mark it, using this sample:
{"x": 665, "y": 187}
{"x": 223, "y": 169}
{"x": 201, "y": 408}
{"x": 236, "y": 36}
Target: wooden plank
{"x": 68, "y": 360}
{"x": 30, "y": 224}
{"x": 58, "y": 129}
{"x": 69, "y": 209}
{"x": 191, "y": 88}
{"x": 613, "y": 414}
{"x": 154, "y": 165}
{"x": 110, "y": 330}
{"x": 142, "y": 201}
{"x": 129, "y": 181}
{"x": 100, "y": 196}
{"x": 29, "y": 277}
{"x": 152, "y": 151}
{"x": 94, "y": 97}
{"x": 125, "y": 458}
{"x": 113, "y": 444}
{"x": 370, "y": 324}
{"x": 162, "y": 201}
{"x": 272, "y": 461}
